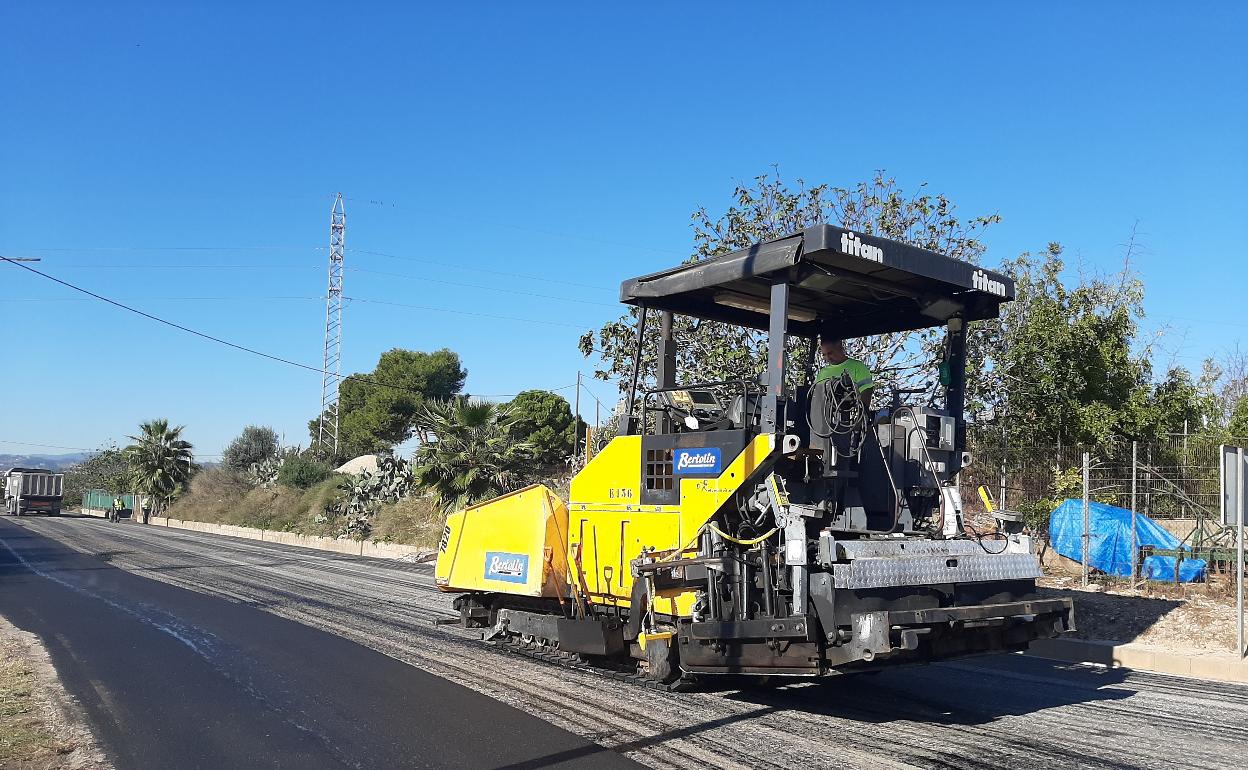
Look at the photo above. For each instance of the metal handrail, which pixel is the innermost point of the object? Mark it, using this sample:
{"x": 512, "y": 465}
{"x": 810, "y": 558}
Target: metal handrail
{"x": 648, "y": 392}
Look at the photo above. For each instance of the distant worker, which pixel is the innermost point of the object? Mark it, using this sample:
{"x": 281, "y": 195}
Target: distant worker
{"x": 838, "y": 363}
{"x": 118, "y": 506}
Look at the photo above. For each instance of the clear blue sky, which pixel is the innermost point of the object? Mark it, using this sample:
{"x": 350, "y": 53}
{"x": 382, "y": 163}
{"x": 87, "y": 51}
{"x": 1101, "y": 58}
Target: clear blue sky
{"x": 566, "y": 141}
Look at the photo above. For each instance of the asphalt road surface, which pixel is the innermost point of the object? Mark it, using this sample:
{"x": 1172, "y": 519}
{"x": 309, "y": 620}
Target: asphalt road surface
{"x": 172, "y": 678}
{"x": 1003, "y": 711}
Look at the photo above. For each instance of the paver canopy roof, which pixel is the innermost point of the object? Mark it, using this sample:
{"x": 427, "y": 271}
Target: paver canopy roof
{"x": 846, "y": 282}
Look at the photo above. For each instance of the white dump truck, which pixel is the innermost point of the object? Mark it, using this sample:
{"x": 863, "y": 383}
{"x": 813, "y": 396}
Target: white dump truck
{"x": 32, "y": 490}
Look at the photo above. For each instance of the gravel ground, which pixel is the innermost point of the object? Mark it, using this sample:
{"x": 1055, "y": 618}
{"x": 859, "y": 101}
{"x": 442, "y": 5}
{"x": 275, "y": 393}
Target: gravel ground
{"x": 41, "y": 727}
{"x": 1003, "y": 711}
{"x": 1189, "y": 620}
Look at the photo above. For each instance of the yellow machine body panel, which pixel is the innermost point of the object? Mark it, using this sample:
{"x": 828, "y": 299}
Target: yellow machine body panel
{"x": 609, "y": 527}
{"x": 530, "y": 543}
{"x": 513, "y": 544}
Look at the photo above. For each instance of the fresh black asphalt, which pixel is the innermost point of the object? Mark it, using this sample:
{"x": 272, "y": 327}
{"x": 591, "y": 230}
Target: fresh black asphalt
{"x": 172, "y": 678}
{"x": 1003, "y": 711}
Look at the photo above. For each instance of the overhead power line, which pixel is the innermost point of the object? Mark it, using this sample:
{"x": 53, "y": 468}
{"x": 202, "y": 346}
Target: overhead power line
{"x": 163, "y": 299}
{"x": 179, "y": 248}
{"x": 83, "y": 448}
{"x": 203, "y": 335}
{"x": 513, "y": 395}
{"x": 466, "y": 312}
{"x": 212, "y": 266}
{"x": 479, "y": 287}
{"x": 46, "y": 446}
{"x": 160, "y": 320}
{"x": 271, "y": 266}
{"x": 479, "y": 269}
{"x": 541, "y": 231}
{"x": 252, "y": 266}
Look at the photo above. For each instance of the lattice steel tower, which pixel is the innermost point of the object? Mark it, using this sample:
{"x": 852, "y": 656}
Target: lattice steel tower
{"x": 327, "y": 434}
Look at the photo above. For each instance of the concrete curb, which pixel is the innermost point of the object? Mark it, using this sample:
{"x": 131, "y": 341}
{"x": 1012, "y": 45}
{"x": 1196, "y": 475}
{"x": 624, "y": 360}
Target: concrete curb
{"x": 352, "y": 547}
{"x": 1222, "y": 667}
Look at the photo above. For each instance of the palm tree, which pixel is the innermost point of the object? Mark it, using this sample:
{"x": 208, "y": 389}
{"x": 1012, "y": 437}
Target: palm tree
{"x": 160, "y": 462}
{"x": 471, "y": 455}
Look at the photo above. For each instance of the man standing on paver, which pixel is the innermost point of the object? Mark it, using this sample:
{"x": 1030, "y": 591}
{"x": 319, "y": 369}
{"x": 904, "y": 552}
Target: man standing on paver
{"x": 833, "y": 349}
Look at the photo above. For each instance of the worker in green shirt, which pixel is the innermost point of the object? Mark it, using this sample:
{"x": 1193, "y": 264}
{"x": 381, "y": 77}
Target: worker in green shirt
{"x": 837, "y": 363}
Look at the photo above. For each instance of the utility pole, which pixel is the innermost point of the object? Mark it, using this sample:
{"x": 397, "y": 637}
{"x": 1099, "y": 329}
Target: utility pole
{"x": 597, "y": 418}
{"x": 327, "y": 432}
{"x": 576, "y": 419}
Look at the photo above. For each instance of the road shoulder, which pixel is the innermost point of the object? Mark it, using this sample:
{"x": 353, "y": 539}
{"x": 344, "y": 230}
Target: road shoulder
{"x": 41, "y": 726}
{"x": 171, "y": 677}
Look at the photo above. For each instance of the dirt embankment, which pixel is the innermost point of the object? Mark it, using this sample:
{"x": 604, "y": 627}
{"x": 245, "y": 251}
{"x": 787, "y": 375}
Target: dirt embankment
{"x": 41, "y": 727}
{"x": 218, "y": 496}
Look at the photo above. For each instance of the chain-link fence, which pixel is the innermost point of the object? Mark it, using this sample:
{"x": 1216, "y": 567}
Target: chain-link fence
{"x": 1175, "y": 481}
{"x": 1175, "y": 478}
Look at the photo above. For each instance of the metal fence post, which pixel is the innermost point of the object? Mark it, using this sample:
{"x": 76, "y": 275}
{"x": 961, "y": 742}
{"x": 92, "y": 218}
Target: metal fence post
{"x": 1183, "y": 470}
{"x": 1001, "y": 501}
{"x": 1087, "y": 532}
{"x": 1239, "y": 561}
{"x": 1135, "y": 537}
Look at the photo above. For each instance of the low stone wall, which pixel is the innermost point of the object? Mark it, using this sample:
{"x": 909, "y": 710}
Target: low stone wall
{"x": 1223, "y": 667}
{"x": 352, "y": 547}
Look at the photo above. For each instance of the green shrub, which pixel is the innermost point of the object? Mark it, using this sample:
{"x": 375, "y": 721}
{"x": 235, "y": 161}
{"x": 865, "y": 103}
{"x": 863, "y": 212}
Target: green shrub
{"x": 302, "y": 472}
{"x": 411, "y": 521}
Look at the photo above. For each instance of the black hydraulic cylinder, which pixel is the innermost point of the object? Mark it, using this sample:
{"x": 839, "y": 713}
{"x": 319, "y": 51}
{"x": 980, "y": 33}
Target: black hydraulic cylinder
{"x": 768, "y": 606}
{"x": 743, "y": 588}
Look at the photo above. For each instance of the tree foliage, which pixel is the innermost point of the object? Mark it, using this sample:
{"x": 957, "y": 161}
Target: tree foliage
{"x": 255, "y": 445}
{"x": 380, "y": 409}
{"x": 1238, "y": 426}
{"x": 1229, "y": 378}
{"x": 160, "y": 462}
{"x": 302, "y": 472}
{"x": 1065, "y": 364}
{"x": 544, "y": 420}
{"x": 471, "y": 454}
{"x": 107, "y": 469}
{"x": 769, "y": 208}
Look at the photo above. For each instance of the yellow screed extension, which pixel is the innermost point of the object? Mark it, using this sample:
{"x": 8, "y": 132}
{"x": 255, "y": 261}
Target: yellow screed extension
{"x": 514, "y": 544}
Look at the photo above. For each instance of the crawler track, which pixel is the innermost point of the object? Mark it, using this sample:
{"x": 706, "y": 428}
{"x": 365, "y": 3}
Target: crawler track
{"x": 1005, "y": 711}
{"x": 616, "y": 672}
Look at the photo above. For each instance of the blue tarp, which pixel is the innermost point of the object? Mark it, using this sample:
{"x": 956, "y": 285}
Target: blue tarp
{"x": 1109, "y": 547}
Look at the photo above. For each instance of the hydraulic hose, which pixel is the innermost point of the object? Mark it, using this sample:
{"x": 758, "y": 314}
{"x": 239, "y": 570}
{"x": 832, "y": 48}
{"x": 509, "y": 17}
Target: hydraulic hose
{"x": 746, "y": 543}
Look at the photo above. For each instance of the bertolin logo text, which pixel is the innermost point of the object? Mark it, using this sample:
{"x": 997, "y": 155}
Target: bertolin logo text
{"x": 851, "y": 245}
{"x": 509, "y": 567}
{"x": 981, "y": 281}
{"x": 704, "y": 460}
